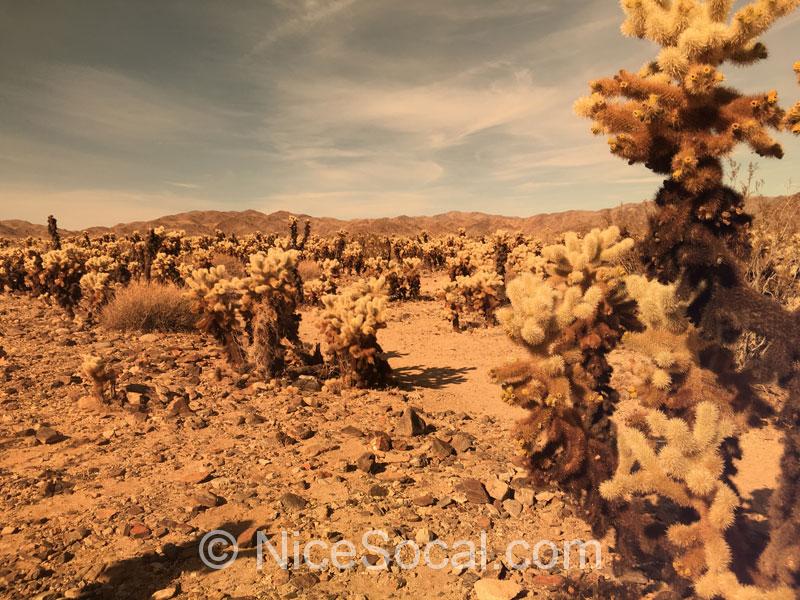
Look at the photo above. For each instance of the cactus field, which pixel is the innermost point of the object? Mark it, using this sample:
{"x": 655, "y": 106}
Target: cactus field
{"x": 629, "y": 386}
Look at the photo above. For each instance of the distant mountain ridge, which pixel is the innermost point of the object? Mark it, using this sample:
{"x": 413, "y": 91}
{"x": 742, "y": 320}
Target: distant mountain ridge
{"x": 250, "y": 221}
{"x": 631, "y": 216}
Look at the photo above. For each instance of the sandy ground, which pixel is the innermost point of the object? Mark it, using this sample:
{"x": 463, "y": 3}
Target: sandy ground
{"x": 116, "y": 501}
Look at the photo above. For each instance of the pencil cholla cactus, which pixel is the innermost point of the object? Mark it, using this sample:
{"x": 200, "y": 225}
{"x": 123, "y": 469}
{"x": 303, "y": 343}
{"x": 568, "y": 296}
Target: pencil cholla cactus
{"x": 350, "y": 321}
{"x": 103, "y": 377}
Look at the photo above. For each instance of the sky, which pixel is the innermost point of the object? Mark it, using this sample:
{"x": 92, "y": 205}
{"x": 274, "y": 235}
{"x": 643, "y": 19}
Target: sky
{"x": 112, "y": 111}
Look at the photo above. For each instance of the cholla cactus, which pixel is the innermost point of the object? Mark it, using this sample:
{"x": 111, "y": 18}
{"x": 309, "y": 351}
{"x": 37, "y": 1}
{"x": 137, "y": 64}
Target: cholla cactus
{"x": 256, "y": 314}
{"x": 12, "y": 269}
{"x": 56, "y": 275}
{"x": 52, "y": 229}
{"x": 350, "y": 323}
{"x": 676, "y": 117}
{"x": 659, "y": 455}
{"x": 569, "y": 314}
{"x": 103, "y": 377}
{"x": 217, "y": 301}
{"x": 325, "y": 284}
{"x": 479, "y": 294}
{"x": 272, "y": 297}
{"x": 402, "y": 277}
{"x": 97, "y": 289}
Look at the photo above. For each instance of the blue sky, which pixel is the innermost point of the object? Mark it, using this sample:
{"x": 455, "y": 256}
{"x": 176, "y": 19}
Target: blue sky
{"x": 115, "y": 110}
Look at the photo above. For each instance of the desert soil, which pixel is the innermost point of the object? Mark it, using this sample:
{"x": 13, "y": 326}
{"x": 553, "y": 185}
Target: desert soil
{"x": 112, "y": 501}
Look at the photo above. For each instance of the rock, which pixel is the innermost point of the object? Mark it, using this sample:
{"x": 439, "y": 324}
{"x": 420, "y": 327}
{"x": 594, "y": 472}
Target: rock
{"x": 352, "y": 431}
{"x": 549, "y": 581}
{"x": 138, "y": 531}
{"x": 203, "y": 500}
{"x": 497, "y": 489}
{"x": 366, "y": 462}
{"x": 196, "y": 476}
{"x": 48, "y": 435}
{"x": 247, "y": 539}
{"x": 496, "y": 589}
{"x": 136, "y": 399}
{"x": 378, "y": 491}
{"x": 381, "y": 442}
{"x": 91, "y": 403}
{"x": 138, "y": 388}
{"x": 253, "y": 418}
{"x": 302, "y": 432}
{"x": 424, "y": 500}
{"x": 474, "y": 491}
{"x": 165, "y": 594}
{"x": 462, "y": 442}
{"x": 411, "y": 423}
{"x": 424, "y": 536}
{"x": 544, "y": 497}
{"x": 441, "y": 449}
{"x": 179, "y": 408}
{"x": 304, "y": 580}
{"x": 291, "y": 501}
{"x": 512, "y": 507}
{"x": 525, "y": 496}
{"x": 149, "y": 338}
{"x": 307, "y": 383}
{"x": 483, "y": 522}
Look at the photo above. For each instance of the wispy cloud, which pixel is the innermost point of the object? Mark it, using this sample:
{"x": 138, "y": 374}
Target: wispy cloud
{"x": 336, "y": 107}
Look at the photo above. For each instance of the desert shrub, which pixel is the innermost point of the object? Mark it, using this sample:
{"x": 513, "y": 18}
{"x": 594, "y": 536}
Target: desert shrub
{"x": 148, "y": 307}
{"x": 309, "y": 269}
{"x": 233, "y": 265}
{"x": 773, "y": 266}
{"x": 350, "y": 321}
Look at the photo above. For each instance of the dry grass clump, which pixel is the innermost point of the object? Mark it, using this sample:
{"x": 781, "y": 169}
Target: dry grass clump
{"x": 148, "y": 307}
{"x": 309, "y": 269}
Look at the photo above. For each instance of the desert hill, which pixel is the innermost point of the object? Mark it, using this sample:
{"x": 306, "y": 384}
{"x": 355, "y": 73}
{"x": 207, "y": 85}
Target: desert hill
{"x": 250, "y": 221}
{"x": 632, "y": 216}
